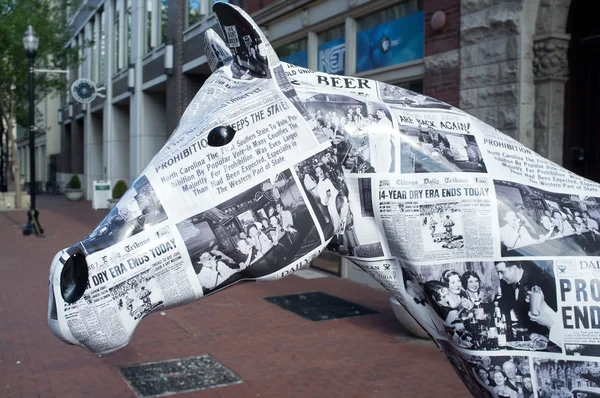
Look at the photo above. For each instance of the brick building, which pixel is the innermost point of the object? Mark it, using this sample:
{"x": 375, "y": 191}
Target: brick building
{"x": 528, "y": 67}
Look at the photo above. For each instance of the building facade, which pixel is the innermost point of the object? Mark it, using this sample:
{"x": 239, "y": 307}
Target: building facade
{"x": 528, "y": 67}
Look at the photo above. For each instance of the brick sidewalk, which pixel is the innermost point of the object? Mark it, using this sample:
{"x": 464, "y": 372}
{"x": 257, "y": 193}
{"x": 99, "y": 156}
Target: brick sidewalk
{"x": 275, "y": 352}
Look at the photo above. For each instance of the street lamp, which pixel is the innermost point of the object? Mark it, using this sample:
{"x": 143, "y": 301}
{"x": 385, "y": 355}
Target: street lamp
{"x": 30, "y": 42}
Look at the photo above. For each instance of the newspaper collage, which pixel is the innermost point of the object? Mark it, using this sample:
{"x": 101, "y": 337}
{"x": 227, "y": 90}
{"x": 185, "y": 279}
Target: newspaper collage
{"x": 492, "y": 248}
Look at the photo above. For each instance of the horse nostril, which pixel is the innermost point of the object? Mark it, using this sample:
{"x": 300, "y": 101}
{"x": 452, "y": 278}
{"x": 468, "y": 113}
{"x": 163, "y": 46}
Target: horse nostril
{"x": 74, "y": 278}
{"x": 221, "y": 135}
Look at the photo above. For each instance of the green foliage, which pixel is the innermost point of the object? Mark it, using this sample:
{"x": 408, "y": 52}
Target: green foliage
{"x": 119, "y": 189}
{"x": 48, "y": 19}
{"x": 74, "y": 182}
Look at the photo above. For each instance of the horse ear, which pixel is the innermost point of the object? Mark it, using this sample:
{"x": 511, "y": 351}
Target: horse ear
{"x": 217, "y": 52}
{"x": 250, "y": 48}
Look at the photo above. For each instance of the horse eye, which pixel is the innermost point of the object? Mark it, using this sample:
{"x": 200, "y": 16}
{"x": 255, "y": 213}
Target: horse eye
{"x": 220, "y": 136}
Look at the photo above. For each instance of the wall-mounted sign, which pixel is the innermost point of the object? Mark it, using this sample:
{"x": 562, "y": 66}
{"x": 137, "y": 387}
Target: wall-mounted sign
{"x": 332, "y": 55}
{"x": 391, "y": 43}
{"x": 84, "y": 91}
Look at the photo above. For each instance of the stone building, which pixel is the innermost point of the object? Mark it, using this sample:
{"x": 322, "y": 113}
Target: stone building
{"x": 528, "y": 67}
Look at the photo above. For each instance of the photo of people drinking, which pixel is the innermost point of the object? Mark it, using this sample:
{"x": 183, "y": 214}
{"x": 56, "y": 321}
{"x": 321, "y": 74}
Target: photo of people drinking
{"x": 503, "y": 376}
{"x": 534, "y": 222}
{"x": 137, "y": 210}
{"x": 251, "y": 235}
{"x": 495, "y": 306}
{"x": 426, "y": 150}
{"x": 558, "y": 378}
{"x": 362, "y": 132}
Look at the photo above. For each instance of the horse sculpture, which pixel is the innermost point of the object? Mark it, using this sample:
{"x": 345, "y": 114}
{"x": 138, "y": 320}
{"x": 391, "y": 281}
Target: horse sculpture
{"x": 489, "y": 246}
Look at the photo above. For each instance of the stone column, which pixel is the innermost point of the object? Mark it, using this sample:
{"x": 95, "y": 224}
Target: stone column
{"x": 550, "y": 68}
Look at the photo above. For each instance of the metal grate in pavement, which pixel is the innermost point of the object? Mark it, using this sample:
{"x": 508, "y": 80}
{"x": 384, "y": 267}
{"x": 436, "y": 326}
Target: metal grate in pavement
{"x": 319, "y": 306}
{"x": 157, "y": 379}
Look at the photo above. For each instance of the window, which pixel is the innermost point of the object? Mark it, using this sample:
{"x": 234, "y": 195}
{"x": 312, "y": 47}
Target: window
{"x": 156, "y": 24}
{"x": 80, "y": 55}
{"x": 413, "y": 85}
{"x": 150, "y": 44}
{"x": 391, "y": 36}
{"x": 117, "y": 63}
{"x": 102, "y": 46}
{"x": 128, "y": 55}
{"x": 294, "y": 53}
{"x": 196, "y": 11}
{"x": 93, "y": 50}
{"x": 332, "y": 50}
{"x": 163, "y": 21}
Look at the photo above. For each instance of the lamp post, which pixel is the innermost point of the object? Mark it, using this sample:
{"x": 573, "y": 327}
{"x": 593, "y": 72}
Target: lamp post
{"x": 30, "y": 42}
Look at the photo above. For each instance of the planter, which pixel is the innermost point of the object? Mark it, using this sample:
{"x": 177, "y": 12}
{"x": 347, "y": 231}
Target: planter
{"x": 74, "y": 194}
{"x": 407, "y": 320}
{"x": 112, "y": 203}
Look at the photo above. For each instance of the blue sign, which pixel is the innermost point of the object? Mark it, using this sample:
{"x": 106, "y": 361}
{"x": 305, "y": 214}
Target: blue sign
{"x": 332, "y": 56}
{"x": 391, "y": 43}
{"x": 300, "y": 59}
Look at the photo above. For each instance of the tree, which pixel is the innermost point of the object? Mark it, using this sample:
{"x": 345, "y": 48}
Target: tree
{"x": 48, "y": 19}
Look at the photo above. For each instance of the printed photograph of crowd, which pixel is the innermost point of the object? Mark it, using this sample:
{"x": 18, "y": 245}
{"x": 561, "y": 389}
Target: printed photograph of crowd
{"x": 251, "y": 235}
{"x": 137, "y": 210}
{"x": 403, "y": 97}
{"x": 558, "y": 378}
{"x": 324, "y": 182}
{"x": 362, "y": 132}
{"x": 534, "y": 222}
{"x": 502, "y": 376}
{"x": 426, "y": 150}
{"x": 137, "y": 296}
{"x": 442, "y": 226}
{"x": 464, "y": 371}
{"x": 506, "y": 305}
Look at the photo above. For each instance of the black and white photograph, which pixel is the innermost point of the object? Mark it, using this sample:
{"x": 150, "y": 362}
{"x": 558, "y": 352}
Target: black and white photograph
{"x": 442, "y": 226}
{"x": 138, "y": 210}
{"x": 137, "y": 296}
{"x": 339, "y": 215}
{"x": 289, "y": 91}
{"x": 326, "y": 189}
{"x": 362, "y": 132}
{"x": 506, "y": 376}
{"x": 247, "y": 48}
{"x": 416, "y": 303}
{"x": 494, "y": 306}
{"x": 535, "y": 222}
{"x": 588, "y": 350}
{"x": 426, "y": 150}
{"x": 403, "y": 97}
{"x": 558, "y": 378}
{"x": 251, "y": 235}
{"x": 462, "y": 369}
